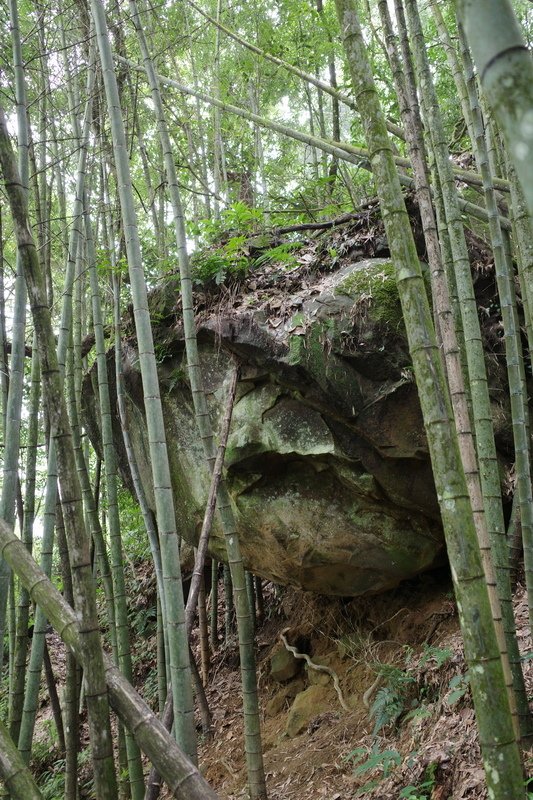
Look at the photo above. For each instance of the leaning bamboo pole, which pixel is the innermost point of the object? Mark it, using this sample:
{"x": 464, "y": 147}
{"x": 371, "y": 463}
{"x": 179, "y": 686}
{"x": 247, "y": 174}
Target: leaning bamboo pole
{"x": 15, "y": 773}
{"x": 345, "y": 152}
{"x": 181, "y": 775}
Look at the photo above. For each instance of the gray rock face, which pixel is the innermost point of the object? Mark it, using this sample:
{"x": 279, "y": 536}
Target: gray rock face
{"x": 327, "y": 463}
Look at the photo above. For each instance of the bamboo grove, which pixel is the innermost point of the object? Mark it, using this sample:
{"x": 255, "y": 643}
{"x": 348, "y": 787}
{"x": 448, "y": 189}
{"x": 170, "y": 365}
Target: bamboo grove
{"x": 127, "y": 132}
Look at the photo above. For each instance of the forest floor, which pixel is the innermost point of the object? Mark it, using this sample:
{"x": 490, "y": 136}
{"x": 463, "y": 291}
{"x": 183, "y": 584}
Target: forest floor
{"x": 412, "y": 735}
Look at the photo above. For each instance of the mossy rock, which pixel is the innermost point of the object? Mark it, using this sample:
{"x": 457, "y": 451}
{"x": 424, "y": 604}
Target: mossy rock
{"x": 307, "y": 705}
{"x": 375, "y": 295}
{"x": 283, "y": 665}
{"x": 326, "y": 464}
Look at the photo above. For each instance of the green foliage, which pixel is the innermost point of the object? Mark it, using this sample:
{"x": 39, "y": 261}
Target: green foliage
{"x": 103, "y": 263}
{"x": 150, "y": 687}
{"x": 4, "y": 683}
{"x": 392, "y": 699}
{"x": 51, "y": 783}
{"x": 239, "y": 219}
{"x": 365, "y": 760}
{"x": 459, "y": 686}
{"x": 216, "y": 266}
{"x": 134, "y": 536}
{"x": 46, "y": 764}
{"x": 399, "y": 696}
{"x": 162, "y": 351}
{"x": 440, "y": 655}
{"x": 232, "y": 258}
{"x": 401, "y": 693}
{"x": 282, "y": 254}
{"x": 143, "y": 621}
{"x": 177, "y": 376}
{"x": 420, "y": 792}
{"x": 84, "y": 763}
{"x": 424, "y": 789}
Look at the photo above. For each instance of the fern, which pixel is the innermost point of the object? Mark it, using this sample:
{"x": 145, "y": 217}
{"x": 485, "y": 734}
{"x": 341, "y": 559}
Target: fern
{"x": 282, "y": 254}
{"x": 391, "y": 700}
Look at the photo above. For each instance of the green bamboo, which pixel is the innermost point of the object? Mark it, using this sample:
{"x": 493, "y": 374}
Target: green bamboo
{"x": 12, "y": 624}
{"x": 100, "y": 731}
{"x": 21, "y": 650}
{"x": 251, "y": 597}
{"x": 33, "y": 680}
{"x": 229, "y": 608}
{"x": 256, "y": 778}
{"x": 180, "y": 676}
{"x": 307, "y": 77}
{"x": 135, "y": 771}
{"x": 499, "y": 747}
{"x": 455, "y": 68}
{"x": 48, "y": 669}
{"x": 494, "y": 545}
{"x": 89, "y": 504}
{"x": 146, "y": 511}
{"x": 259, "y": 600}
{"x": 203, "y": 637}
{"x": 161, "y": 660}
{"x": 341, "y": 150}
{"x": 252, "y": 735}
{"x": 517, "y": 390}
{"x": 182, "y": 777}
{"x": 15, "y": 774}
{"x": 71, "y": 716}
{"x": 523, "y": 236}
{"x": 4, "y": 370}
{"x": 505, "y": 70}
{"x": 197, "y": 582}
{"x": 220, "y": 177}
{"x": 213, "y": 633}
{"x": 16, "y": 374}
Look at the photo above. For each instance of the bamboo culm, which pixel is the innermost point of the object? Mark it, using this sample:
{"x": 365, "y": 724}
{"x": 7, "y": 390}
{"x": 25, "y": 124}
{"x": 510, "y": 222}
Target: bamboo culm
{"x": 500, "y": 750}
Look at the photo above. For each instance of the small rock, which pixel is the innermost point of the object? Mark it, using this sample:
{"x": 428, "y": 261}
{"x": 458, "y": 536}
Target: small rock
{"x": 288, "y": 692}
{"x": 317, "y": 677}
{"x": 308, "y": 704}
{"x": 283, "y": 665}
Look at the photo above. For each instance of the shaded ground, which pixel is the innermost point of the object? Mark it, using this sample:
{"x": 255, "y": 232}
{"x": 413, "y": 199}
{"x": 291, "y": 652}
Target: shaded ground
{"x": 414, "y": 727}
{"x": 427, "y": 737}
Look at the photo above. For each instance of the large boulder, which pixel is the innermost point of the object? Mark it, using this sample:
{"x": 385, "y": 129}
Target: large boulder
{"x": 327, "y": 461}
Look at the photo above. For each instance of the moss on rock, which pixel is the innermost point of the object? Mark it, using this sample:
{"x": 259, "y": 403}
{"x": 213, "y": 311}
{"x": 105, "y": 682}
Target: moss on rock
{"x": 374, "y": 293}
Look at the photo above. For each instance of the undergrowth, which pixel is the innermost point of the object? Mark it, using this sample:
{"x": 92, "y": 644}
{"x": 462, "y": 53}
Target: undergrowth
{"x": 234, "y": 245}
{"x": 403, "y": 696}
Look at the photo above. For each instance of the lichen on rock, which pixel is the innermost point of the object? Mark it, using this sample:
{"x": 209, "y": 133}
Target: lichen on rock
{"x": 326, "y": 462}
